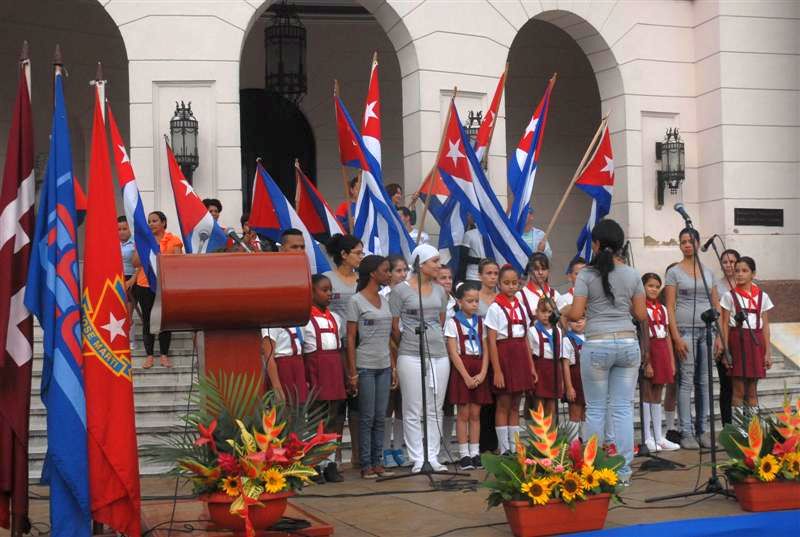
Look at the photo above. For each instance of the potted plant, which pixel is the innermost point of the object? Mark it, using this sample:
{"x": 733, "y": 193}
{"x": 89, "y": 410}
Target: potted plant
{"x": 551, "y": 485}
{"x": 764, "y": 463}
{"x": 244, "y": 452}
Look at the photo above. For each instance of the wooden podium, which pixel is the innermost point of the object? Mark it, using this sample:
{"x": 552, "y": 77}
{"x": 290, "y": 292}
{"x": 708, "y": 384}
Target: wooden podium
{"x": 230, "y": 297}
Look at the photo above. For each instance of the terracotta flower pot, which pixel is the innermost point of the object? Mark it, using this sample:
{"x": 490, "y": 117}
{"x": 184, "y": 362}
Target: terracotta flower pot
{"x": 556, "y": 517}
{"x": 219, "y": 505}
{"x": 754, "y": 495}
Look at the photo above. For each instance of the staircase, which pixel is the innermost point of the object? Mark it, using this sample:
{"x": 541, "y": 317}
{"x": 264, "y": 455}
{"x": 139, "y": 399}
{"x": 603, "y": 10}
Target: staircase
{"x": 161, "y": 395}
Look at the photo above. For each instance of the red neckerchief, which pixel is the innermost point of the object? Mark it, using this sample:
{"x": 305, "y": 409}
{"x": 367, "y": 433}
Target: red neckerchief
{"x": 539, "y": 291}
{"x": 514, "y": 310}
{"x": 751, "y": 297}
{"x": 316, "y": 312}
{"x": 657, "y": 319}
{"x": 571, "y": 291}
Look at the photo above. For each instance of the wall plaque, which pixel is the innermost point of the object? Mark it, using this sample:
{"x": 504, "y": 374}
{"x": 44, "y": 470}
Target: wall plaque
{"x": 757, "y": 217}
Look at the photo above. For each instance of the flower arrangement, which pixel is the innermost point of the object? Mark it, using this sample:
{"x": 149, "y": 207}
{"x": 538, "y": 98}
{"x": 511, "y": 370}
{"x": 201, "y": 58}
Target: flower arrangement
{"x": 547, "y": 466}
{"x": 766, "y": 448}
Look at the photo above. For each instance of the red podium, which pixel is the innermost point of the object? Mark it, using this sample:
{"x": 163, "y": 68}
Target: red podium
{"x": 230, "y": 296}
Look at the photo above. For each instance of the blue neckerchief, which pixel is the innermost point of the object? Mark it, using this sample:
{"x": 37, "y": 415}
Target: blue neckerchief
{"x": 577, "y": 339}
{"x": 472, "y": 329}
{"x": 299, "y": 334}
{"x": 541, "y": 329}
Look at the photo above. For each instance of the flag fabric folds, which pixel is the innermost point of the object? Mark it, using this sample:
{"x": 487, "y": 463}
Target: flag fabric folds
{"x": 462, "y": 173}
{"x": 271, "y": 214}
{"x": 597, "y": 180}
{"x": 146, "y": 245}
{"x": 200, "y": 232}
{"x": 523, "y": 165}
{"x": 52, "y": 295}
{"x": 312, "y": 208}
{"x": 16, "y": 323}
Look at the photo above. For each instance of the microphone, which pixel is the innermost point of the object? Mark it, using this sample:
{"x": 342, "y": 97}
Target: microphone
{"x": 708, "y": 243}
{"x": 681, "y": 210}
{"x": 233, "y": 235}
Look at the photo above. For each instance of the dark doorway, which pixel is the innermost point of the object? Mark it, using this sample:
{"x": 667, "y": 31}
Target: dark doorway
{"x": 274, "y": 129}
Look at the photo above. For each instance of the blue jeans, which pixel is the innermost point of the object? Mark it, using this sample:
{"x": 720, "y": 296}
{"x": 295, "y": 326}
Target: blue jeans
{"x": 693, "y": 378}
{"x": 373, "y": 399}
{"x": 609, "y": 369}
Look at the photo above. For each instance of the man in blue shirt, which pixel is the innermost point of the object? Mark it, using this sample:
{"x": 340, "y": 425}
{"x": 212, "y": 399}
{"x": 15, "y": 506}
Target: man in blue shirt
{"x": 534, "y": 237}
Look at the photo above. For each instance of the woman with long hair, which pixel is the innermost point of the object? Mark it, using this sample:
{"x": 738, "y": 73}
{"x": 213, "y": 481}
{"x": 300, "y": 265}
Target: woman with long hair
{"x": 488, "y": 272}
{"x": 609, "y": 292}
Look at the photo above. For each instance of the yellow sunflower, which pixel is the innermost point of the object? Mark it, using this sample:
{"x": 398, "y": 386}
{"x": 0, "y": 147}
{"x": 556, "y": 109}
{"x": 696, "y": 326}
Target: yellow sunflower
{"x": 591, "y": 478}
{"x": 538, "y": 490}
{"x": 768, "y": 468}
{"x": 607, "y": 476}
{"x": 791, "y": 461}
{"x": 571, "y": 487}
{"x": 231, "y": 485}
{"x": 273, "y": 481}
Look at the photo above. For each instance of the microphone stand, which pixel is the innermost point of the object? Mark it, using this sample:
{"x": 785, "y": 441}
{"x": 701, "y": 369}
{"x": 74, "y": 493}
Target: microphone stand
{"x": 711, "y": 319}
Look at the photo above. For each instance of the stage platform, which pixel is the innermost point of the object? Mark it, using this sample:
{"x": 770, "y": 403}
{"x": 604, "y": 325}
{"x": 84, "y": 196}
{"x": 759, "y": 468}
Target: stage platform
{"x": 409, "y": 507}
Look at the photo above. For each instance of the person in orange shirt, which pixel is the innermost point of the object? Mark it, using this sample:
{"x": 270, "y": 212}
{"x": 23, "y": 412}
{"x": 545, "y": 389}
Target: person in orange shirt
{"x": 168, "y": 244}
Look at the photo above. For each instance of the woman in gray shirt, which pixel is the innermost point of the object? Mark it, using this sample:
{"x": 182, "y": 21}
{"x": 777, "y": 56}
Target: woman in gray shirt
{"x": 404, "y": 303}
{"x": 611, "y": 294}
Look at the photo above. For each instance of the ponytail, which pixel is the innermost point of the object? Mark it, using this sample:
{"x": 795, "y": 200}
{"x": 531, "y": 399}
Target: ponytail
{"x": 368, "y": 265}
{"x": 610, "y": 237}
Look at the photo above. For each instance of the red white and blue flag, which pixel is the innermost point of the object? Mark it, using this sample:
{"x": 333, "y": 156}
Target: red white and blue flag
{"x": 312, "y": 208}
{"x": 200, "y": 232}
{"x": 462, "y": 173}
{"x": 271, "y": 214}
{"x": 523, "y": 165}
{"x": 597, "y": 180}
{"x": 146, "y": 245}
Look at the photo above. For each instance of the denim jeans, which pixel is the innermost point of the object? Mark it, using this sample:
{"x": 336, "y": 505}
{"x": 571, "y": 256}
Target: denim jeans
{"x": 609, "y": 369}
{"x": 693, "y": 378}
{"x": 373, "y": 398}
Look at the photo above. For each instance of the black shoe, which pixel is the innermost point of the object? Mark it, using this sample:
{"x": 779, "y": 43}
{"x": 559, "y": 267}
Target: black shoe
{"x": 319, "y": 479}
{"x": 476, "y": 462}
{"x": 331, "y": 473}
{"x": 465, "y": 464}
{"x": 506, "y": 454}
{"x": 674, "y": 436}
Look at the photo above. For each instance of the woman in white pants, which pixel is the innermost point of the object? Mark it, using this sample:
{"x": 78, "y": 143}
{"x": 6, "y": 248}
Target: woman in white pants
{"x": 404, "y": 303}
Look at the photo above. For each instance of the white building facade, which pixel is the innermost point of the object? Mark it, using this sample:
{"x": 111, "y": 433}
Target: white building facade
{"x": 726, "y": 73}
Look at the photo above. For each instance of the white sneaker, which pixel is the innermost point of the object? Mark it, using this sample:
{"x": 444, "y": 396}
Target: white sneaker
{"x": 417, "y": 468}
{"x": 666, "y": 445}
{"x": 651, "y": 445}
{"x": 438, "y": 467}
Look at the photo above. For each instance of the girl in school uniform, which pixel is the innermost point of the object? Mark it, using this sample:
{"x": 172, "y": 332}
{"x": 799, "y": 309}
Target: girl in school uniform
{"x": 745, "y": 327}
{"x": 322, "y": 351}
{"x": 546, "y": 343}
{"x": 488, "y": 272}
{"x": 565, "y": 300}
{"x": 445, "y": 279}
{"x": 393, "y": 453}
{"x": 573, "y": 343}
{"x": 659, "y": 366}
{"x": 513, "y": 372}
{"x": 468, "y": 390}
{"x": 286, "y": 373}
{"x": 538, "y": 271}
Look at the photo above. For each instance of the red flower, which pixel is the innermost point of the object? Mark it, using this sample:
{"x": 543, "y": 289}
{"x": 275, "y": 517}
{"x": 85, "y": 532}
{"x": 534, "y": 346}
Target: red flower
{"x": 229, "y": 464}
{"x": 610, "y": 449}
{"x": 788, "y": 446}
{"x": 295, "y": 448}
{"x": 207, "y": 436}
{"x": 576, "y": 454}
{"x": 749, "y": 462}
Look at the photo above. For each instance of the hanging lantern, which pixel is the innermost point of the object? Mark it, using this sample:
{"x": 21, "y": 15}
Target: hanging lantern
{"x": 285, "y": 47}
{"x": 183, "y": 128}
{"x": 471, "y": 128}
{"x": 673, "y": 168}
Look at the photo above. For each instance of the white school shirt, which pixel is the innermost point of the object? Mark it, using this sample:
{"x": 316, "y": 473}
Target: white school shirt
{"x": 425, "y": 239}
{"x": 658, "y": 331}
{"x": 329, "y": 341}
{"x": 474, "y": 241}
{"x": 533, "y": 339}
{"x": 451, "y": 307}
{"x": 565, "y": 300}
{"x": 726, "y": 302}
{"x": 496, "y": 320}
{"x": 568, "y": 349}
{"x": 534, "y": 297}
{"x": 282, "y": 340}
{"x": 451, "y": 331}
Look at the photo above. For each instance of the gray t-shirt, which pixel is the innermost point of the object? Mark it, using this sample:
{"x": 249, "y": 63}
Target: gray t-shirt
{"x": 690, "y": 296}
{"x": 374, "y": 330}
{"x": 404, "y": 303}
{"x": 342, "y": 292}
{"x": 723, "y": 287}
{"x": 603, "y": 316}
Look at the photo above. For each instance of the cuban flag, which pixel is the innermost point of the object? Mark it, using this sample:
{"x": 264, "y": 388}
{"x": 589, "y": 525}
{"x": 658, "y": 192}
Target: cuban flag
{"x": 312, "y": 208}
{"x": 376, "y": 221}
{"x": 597, "y": 180}
{"x": 462, "y": 173}
{"x": 52, "y": 295}
{"x": 146, "y": 245}
{"x": 522, "y": 167}
{"x": 271, "y": 214}
{"x": 200, "y": 232}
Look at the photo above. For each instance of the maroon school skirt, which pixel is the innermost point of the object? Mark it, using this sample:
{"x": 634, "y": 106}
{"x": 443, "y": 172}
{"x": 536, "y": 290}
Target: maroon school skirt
{"x": 575, "y": 375}
{"x": 515, "y": 365}
{"x": 292, "y": 372}
{"x": 750, "y": 363}
{"x": 546, "y": 383}
{"x": 325, "y": 374}
{"x": 457, "y": 391}
{"x": 661, "y": 362}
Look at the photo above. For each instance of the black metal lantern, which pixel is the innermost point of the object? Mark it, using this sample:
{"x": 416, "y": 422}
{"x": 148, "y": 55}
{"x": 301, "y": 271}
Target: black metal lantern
{"x": 471, "y": 127}
{"x": 183, "y": 128}
{"x": 285, "y": 47}
{"x": 673, "y": 170}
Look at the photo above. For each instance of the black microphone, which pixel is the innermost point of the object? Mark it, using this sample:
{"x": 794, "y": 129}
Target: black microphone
{"x": 681, "y": 210}
{"x": 708, "y": 243}
{"x": 233, "y": 235}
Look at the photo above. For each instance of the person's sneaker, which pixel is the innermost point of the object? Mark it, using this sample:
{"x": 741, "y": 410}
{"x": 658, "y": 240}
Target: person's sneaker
{"x": 506, "y": 454}
{"x": 689, "y": 443}
{"x": 399, "y": 458}
{"x": 331, "y": 473}
{"x": 465, "y": 464}
{"x": 438, "y": 467}
{"x": 388, "y": 458}
{"x": 476, "y": 462}
{"x": 417, "y": 468}
{"x": 651, "y": 445}
{"x": 319, "y": 479}
{"x": 666, "y": 445}
{"x": 705, "y": 440}
{"x": 380, "y": 471}
{"x": 674, "y": 436}
{"x": 368, "y": 473}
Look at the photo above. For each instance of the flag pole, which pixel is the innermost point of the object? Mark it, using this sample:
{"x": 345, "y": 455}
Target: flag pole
{"x": 578, "y": 172}
{"x": 434, "y": 170}
{"x": 344, "y": 173}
